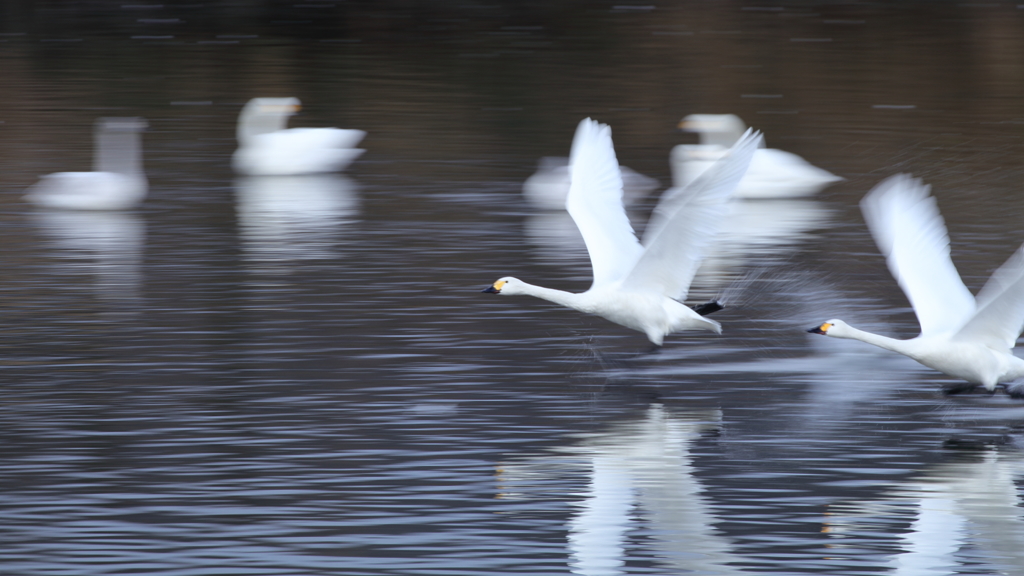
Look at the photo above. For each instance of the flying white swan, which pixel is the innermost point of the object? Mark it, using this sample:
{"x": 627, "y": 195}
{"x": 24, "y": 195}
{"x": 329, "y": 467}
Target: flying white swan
{"x": 640, "y": 285}
{"x": 548, "y": 187}
{"x": 117, "y": 181}
{"x": 772, "y": 173}
{"x": 267, "y": 148}
{"x": 966, "y": 337}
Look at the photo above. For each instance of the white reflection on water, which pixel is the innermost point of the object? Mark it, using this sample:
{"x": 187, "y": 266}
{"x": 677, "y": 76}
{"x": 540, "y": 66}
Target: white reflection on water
{"x": 284, "y": 218}
{"x": 756, "y": 228}
{"x": 641, "y": 477}
{"x": 108, "y": 244}
{"x": 965, "y": 511}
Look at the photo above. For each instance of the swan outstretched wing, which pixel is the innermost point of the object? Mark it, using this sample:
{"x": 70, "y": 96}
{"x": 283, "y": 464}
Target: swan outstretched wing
{"x": 905, "y": 222}
{"x": 685, "y": 222}
{"x": 1000, "y": 315}
{"x": 595, "y": 203}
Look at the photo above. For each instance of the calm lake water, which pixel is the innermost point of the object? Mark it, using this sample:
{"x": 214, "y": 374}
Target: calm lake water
{"x": 300, "y": 376}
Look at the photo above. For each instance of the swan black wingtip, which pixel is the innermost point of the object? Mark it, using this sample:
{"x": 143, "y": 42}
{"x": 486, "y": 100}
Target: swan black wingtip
{"x": 708, "y": 307}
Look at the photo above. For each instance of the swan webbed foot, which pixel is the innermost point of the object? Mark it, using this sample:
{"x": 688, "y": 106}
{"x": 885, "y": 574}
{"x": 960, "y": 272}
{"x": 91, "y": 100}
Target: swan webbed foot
{"x": 708, "y": 307}
{"x": 654, "y": 349}
{"x": 958, "y": 388}
{"x": 1015, "y": 389}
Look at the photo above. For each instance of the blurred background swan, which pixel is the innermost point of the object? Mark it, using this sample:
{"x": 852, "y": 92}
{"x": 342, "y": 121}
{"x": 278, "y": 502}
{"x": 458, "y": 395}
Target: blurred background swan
{"x": 548, "y": 187}
{"x": 267, "y": 148}
{"x": 772, "y": 173}
{"x": 117, "y": 181}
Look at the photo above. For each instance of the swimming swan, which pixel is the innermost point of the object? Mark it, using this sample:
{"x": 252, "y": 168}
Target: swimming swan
{"x": 267, "y": 148}
{"x": 640, "y": 285}
{"x": 772, "y": 174}
{"x": 966, "y": 337}
{"x": 117, "y": 181}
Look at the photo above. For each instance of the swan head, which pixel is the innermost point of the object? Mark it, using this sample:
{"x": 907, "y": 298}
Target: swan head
{"x": 262, "y": 115}
{"x": 721, "y": 129}
{"x": 507, "y": 286}
{"x": 834, "y": 328}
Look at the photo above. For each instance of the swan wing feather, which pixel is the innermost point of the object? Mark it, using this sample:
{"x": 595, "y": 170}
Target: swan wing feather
{"x": 1000, "y": 316}
{"x": 595, "y": 203}
{"x": 685, "y": 222}
{"x": 904, "y": 219}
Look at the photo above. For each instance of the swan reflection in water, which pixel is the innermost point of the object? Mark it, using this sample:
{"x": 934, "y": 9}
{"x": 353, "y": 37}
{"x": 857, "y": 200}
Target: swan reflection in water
{"x": 106, "y": 245}
{"x": 640, "y": 476}
{"x": 965, "y": 512}
{"x": 288, "y": 218}
{"x": 757, "y": 228}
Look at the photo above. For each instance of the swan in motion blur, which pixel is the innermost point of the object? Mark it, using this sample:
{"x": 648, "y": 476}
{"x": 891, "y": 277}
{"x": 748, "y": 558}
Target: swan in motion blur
{"x": 963, "y": 336}
{"x": 548, "y": 187}
{"x": 640, "y": 285}
{"x": 772, "y": 174}
{"x": 117, "y": 181}
{"x": 267, "y": 148}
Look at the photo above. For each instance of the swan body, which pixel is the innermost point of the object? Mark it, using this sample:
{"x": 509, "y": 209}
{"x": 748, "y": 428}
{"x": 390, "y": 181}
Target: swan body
{"x": 267, "y": 148}
{"x": 548, "y": 187}
{"x": 644, "y": 311}
{"x": 639, "y": 285}
{"x": 967, "y": 337}
{"x": 117, "y": 181}
{"x": 772, "y": 173}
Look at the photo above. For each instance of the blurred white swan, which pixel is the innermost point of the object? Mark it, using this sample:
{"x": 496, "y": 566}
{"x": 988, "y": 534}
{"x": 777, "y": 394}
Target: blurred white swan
{"x": 772, "y": 174}
{"x": 961, "y": 336}
{"x": 117, "y": 181}
{"x": 636, "y": 285}
{"x": 267, "y": 148}
{"x": 548, "y": 187}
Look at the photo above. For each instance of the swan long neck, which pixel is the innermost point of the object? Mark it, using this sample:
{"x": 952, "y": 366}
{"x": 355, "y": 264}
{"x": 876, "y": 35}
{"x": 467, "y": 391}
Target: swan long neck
{"x": 117, "y": 146}
{"x": 561, "y": 297}
{"x": 253, "y": 123}
{"x": 724, "y": 138}
{"x": 899, "y": 346}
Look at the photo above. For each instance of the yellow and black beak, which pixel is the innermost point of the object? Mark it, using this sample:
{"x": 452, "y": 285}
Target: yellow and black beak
{"x": 494, "y": 288}
{"x": 823, "y": 329}
{"x": 695, "y": 125}
{"x": 286, "y": 108}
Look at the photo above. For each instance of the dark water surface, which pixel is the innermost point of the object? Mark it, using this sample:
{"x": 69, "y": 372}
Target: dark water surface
{"x": 300, "y": 376}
